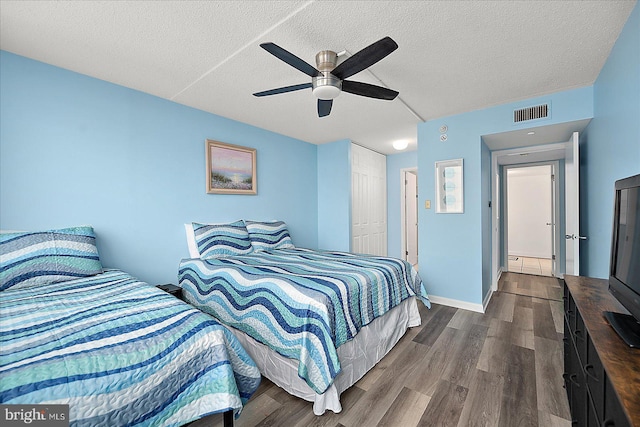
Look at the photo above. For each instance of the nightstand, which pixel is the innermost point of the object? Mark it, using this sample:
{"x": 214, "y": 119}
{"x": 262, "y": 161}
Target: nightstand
{"x": 174, "y": 290}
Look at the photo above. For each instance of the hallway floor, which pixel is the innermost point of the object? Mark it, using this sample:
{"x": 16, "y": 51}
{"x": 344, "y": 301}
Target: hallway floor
{"x": 532, "y": 286}
{"x": 528, "y": 265}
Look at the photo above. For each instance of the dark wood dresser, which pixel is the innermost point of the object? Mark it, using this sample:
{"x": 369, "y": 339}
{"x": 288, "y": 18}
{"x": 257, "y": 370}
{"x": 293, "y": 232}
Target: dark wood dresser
{"x": 602, "y": 373}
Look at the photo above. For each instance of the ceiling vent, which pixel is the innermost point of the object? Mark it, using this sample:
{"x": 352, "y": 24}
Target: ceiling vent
{"x": 531, "y": 113}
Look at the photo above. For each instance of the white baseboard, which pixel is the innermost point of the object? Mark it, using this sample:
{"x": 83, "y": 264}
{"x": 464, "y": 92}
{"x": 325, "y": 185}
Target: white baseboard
{"x": 456, "y": 303}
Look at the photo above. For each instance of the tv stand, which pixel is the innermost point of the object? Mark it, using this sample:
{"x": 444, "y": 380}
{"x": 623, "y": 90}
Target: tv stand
{"x": 601, "y": 372}
{"x": 626, "y": 326}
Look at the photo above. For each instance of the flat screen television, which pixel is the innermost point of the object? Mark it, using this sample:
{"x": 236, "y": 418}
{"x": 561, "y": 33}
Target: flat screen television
{"x": 624, "y": 270}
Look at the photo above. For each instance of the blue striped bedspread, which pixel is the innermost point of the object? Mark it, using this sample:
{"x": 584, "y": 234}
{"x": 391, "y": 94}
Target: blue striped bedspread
{"x": 301, "y": 303}
{"x": 119, "y": 352}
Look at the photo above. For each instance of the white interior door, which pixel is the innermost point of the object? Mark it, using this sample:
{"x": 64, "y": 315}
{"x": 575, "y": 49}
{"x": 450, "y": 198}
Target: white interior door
{"x": 411, "y": 216}
{"x": 368, "y": 201}
{"x": 572, "y": 205}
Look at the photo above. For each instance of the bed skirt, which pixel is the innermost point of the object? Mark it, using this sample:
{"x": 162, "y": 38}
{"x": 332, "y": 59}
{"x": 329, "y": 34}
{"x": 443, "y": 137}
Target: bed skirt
{"x": 356, "y": 356}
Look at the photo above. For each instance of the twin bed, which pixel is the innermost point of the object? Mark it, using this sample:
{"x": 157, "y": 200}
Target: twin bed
{"x": 118, "y": 351}
{"x": 121, "y": 352}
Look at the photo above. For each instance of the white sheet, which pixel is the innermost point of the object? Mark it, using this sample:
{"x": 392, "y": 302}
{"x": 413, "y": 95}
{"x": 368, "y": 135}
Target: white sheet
{"x": 356, "y": 357}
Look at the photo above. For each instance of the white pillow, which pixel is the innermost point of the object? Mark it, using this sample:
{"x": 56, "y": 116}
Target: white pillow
{"x": 191, "y": 241}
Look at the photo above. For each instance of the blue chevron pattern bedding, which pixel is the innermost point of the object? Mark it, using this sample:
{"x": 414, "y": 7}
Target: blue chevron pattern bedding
{"x": 301, "y": 303}
{"x": 120, "y": 352}
{"x": 268, "y": 235}
{"x": 33, "y": 258}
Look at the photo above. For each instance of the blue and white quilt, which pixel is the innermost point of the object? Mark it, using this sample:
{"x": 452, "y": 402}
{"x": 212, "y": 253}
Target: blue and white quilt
{"x": 301, "y": 303}
{"x": 119, "y": 352}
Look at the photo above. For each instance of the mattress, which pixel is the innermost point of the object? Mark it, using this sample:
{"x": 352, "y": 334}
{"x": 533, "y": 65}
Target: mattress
{"x": 119, "y": 352}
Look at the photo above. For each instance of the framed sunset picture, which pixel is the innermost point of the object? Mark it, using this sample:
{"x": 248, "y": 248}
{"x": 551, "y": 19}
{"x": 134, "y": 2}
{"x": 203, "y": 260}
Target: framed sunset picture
{"x": 231, "y": 169}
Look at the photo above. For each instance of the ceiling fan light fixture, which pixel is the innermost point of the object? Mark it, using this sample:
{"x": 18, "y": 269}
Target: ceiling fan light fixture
{"x": 326, "y": 92}
{"x": 326, "y": 86}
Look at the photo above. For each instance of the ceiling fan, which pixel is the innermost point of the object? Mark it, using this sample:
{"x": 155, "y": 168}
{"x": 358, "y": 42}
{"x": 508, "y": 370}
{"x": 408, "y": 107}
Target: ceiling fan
{"x": 328, "y": 80}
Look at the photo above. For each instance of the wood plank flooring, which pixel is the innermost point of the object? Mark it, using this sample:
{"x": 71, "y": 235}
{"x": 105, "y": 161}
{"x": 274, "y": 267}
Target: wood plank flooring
{"x": 459, "y": 368}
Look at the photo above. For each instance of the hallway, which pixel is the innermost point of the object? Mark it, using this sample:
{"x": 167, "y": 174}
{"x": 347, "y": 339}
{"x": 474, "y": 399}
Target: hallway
{"x": 528, "y": 265}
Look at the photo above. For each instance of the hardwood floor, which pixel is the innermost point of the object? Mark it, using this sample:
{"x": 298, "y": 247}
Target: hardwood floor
{"x": 459, "y": 368}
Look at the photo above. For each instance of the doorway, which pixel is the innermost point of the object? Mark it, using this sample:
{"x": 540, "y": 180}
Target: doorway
{"x": 409, "y": 215}
{"x": 530, "y": 219}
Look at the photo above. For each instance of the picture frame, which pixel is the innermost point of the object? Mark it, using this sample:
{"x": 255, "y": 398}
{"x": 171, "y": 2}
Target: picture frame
{"x": 450, "y": 186}
{"x": 231, "y": 169}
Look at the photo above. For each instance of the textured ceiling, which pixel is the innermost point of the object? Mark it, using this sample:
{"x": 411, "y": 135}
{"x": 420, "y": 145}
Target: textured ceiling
{"x": 453, "y": 56}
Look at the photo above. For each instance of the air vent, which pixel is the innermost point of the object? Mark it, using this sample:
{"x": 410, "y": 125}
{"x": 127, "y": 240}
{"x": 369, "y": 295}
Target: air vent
{"x": 531, "y": 113}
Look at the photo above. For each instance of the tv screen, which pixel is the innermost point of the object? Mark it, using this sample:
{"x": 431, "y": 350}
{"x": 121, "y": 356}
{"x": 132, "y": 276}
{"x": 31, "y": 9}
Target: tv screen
{"x": 624, "y": 277}
{"x": 627, "y": 262}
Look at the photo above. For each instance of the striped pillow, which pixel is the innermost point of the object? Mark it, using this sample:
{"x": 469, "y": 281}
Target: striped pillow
{"x": 36, "y": 258}
{"x": 218, "y": 240}
{"x": 269, "y": 235}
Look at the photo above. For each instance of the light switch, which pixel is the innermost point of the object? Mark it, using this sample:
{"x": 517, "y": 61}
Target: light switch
{"x": 427, "y": 204}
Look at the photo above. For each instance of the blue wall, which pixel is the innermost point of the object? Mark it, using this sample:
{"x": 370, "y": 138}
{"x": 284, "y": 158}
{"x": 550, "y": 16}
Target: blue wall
{"x": 610, "y": 146}
{"x": 395, "y": 163}
{"x": 451, "y": 256}
{"x": 77, "y": 150}
{"x": 334, "y": 196}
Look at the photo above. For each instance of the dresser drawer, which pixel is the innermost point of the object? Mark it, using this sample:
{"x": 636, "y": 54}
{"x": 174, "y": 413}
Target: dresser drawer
{"x": 594, "y": 373}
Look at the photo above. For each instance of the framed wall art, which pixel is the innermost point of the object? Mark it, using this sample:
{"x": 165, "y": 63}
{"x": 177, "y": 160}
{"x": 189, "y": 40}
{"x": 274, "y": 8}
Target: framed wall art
{"x": 449, "y": 186}
{"x": 231, "y": 169}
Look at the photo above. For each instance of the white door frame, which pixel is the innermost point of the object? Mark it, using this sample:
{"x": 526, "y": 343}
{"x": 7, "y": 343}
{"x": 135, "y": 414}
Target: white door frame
{"x": 572, "y": 203}
{"x": 403, "y": 210}
{"x": 496, "y": 268}
{"x": 555, "y": 206}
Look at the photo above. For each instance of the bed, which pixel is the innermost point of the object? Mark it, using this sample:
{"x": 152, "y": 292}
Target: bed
{"x": 314, "y": 321}
{"x": 116, "y": 350}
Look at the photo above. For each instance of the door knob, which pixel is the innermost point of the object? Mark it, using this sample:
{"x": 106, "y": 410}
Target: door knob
{"x": 573, "y": 237}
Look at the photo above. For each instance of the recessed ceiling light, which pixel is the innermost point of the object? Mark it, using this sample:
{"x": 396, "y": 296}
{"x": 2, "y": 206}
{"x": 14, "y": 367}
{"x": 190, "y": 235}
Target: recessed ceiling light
{"x": 531, "y": 133}
{"x": 400, "y": 144}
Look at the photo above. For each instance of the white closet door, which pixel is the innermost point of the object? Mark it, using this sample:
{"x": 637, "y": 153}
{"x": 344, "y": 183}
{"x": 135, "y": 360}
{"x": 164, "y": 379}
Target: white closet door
{"x": 368, "y": 201}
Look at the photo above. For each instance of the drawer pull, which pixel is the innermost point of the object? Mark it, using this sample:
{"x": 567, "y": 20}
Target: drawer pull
{"x": 590, "y": 371}
{"x": 578, "y": 334}
{"x": 608, "y": 423}
{"x": 572, "y": 378}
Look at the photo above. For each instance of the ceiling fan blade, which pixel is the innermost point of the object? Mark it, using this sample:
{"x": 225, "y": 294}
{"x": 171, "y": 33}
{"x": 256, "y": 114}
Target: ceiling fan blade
{"x": 365, "y": 58}
{"x": 290, "y": 59}
{"x": 324, "y": 107}
{"x": 365, "y": 89}
{"x": 283, "y": 89}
